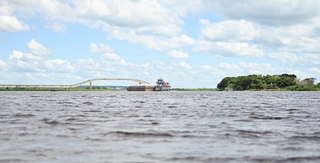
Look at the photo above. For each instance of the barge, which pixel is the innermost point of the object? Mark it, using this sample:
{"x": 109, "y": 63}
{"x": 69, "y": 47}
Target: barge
{"x": 160, "y": 85}
{"x": 141, "y": 87}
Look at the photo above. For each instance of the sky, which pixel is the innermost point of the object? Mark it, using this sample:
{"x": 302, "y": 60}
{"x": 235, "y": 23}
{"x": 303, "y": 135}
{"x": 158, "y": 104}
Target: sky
{"x": 191, "y": 44}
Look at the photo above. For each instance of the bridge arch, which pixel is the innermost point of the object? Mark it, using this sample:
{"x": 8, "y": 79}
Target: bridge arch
{"x": 101, "y": 79}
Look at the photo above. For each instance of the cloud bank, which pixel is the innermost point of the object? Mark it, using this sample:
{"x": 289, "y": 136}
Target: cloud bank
{"x": 203, "y": 40}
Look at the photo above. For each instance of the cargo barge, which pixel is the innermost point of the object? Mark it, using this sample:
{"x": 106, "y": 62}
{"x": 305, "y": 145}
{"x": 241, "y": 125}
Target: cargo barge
{"x": 161, "y": 85}
{"x": 141, "y": 87}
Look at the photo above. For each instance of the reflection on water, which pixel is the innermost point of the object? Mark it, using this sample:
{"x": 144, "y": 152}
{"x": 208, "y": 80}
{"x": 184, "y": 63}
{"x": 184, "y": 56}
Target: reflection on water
{"x": 160, "y": 126}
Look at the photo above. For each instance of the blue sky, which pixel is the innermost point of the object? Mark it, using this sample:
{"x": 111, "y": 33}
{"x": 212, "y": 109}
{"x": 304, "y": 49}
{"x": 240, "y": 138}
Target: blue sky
{"x": 191, "y": 44}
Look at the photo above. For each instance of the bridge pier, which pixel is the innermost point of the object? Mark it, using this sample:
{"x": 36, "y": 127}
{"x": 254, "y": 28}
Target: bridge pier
{"x": 90, "y": 86}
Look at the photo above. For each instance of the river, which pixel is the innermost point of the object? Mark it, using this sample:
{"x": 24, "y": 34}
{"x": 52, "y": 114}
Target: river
{"x": 227, "y": 127}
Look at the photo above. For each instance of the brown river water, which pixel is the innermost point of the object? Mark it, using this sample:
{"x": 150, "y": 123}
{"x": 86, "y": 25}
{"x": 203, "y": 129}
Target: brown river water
{"x": 227, "y": 127}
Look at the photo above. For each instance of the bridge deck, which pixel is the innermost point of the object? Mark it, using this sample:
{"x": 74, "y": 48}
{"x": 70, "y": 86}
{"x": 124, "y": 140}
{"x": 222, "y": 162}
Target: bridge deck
{"x": 68, "y": 86}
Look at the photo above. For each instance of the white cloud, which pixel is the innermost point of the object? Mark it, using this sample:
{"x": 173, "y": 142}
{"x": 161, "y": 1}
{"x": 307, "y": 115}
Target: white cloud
{"x": 113, "y": 59}
{"x": 35, "y": 48}
{"x": 8, "y": 22}
{"x": 177, "y": 54}
{"x": 185, "y": 65}
{"x": 207, "y": 67}
{"x": 58, "y": 65}
{"x": 290, "y": 39}
{"x": 12, "y": 24}
{"x": 151, "y": 42}
{"x": 297, "y": 38}
{"x": 25, "y": 57}
{"x": 110, "y": 56}
{"x": 229, "y": 49}
{"x": 246, "y": 29}
{"x": 183, "y": 40}
{"x": 244, "y": 68}
{"x": 286, "y": 58}
{"x": 85, "y": 62}
{"x": 183, "y": 8}
{"x": 120, "y": 19}
{"x": 23, "y": 62}
{"x": 3, "y": 65}
{"x": 272, "y": 12}
{"x": 257, "y": 68}
{"x": 101, "y": 49}
{"x": 285, "y": 26}
{"x": 56, "y": 27}
{"x": 212, "y": 71}
{"x": 314, "y": 70}
{"x": 290, "y": 59}
{"x": 204, "y": 21}
{"x": 110, "y": 15}
{"x": 230, "y": 31}
{"x": 158, "y": 43}
{"x": 110, "y": 65}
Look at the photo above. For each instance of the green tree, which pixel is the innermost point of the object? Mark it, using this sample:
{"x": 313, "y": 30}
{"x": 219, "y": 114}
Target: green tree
{"x": 269, "y": 79}
{"x": 292, "y": 76}
{"x": 225, "y": 82}
{"x": 259, "y": 85}
{"x": 309, "y": 81}
{"x": 285, "y": 82}
{"x": 258, "y": 82}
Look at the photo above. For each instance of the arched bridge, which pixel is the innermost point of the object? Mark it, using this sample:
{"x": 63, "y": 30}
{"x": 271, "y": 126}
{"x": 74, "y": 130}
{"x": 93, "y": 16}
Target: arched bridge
{"x": 71, "y": 86}
{"x": 93, "y": 80}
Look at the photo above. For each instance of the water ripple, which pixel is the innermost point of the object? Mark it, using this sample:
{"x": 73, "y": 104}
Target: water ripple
{"x": 226, "y": 127}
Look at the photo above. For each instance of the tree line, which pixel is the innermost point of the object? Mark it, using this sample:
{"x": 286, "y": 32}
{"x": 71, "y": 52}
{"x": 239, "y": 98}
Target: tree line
{"x": 256, "y": 82}
{"x": 97, "y": 87}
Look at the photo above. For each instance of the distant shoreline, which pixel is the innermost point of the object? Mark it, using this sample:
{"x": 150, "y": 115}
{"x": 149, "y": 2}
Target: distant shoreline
{"x": 174, "y": 89}
{"x": 59, "y": 89}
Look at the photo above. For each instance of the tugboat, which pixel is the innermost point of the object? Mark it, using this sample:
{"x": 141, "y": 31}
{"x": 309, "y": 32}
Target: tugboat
{"x": 162, "y": 85}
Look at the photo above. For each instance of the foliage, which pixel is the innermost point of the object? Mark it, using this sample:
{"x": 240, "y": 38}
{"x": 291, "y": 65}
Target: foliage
{"x": 292, "y": 76}
{"x": 257, "y": 82}
{"x": 300, "y": 87}
{"x": 309, "y": 81}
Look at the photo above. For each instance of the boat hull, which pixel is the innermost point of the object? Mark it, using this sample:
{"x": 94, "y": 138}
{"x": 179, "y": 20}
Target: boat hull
{"x": 141, "y": 88}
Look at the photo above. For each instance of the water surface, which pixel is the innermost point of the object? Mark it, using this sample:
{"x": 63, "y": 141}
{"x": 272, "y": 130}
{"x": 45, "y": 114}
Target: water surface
{"x": 160, "y": 127}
